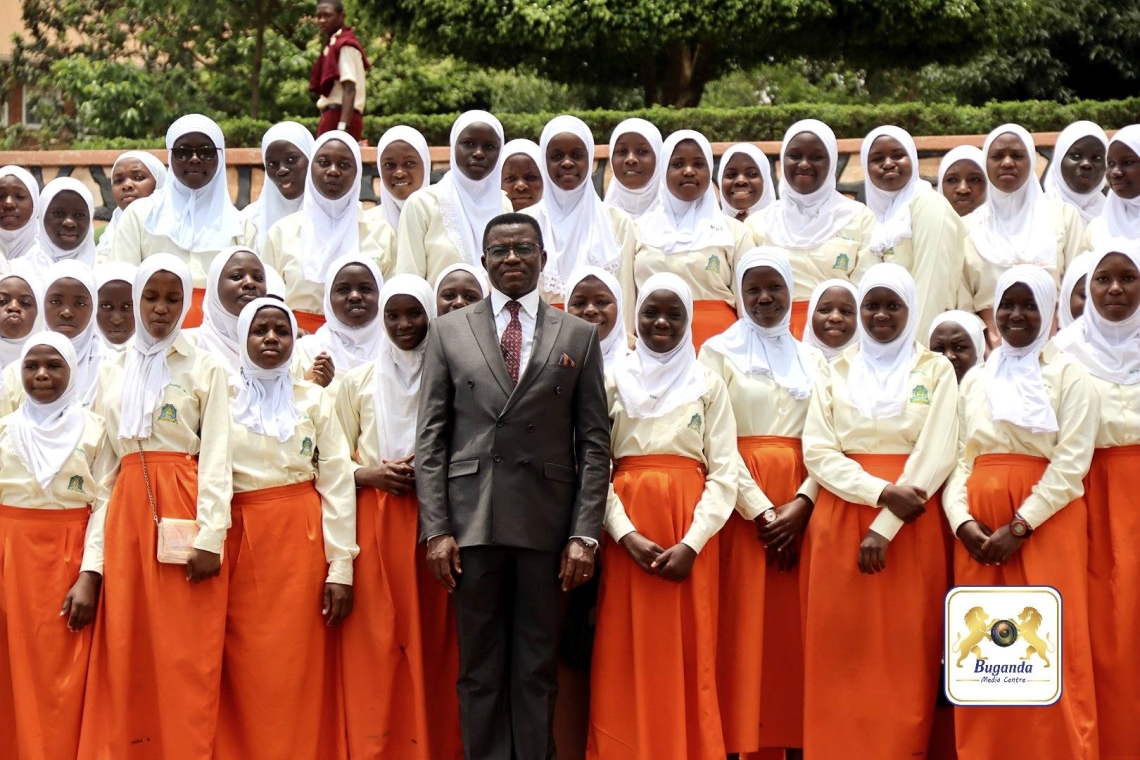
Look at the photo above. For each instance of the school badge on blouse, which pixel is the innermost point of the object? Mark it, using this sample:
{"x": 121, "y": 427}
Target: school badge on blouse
{"x": 168, "y": 414}
{"x": 307, "y": 447}
{"x": 842, "y": 261}
{"x": 1003, "y": 645}
{"x": 695, "y": 423}
{"x": 75, "y": 484}
{"x": 920, "y": 395}
{"x": 713, "y": 264}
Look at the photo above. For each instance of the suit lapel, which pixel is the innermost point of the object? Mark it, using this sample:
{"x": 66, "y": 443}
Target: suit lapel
{"x": 482, "y": 323}
{"x": 548, "y": 323}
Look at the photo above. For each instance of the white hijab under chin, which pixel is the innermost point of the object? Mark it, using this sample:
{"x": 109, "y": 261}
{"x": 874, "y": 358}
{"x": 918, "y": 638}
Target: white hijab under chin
{"x": 1089, "y": 204}
{"x": 272, "y": 206}
{"x": 44, "y": 436}
{"x": 50, "y": 252}
{"x": 892, "y": 207}
{"x": 195, "y": 220}
{"x": 331, "y": 225}
{"x": 878, "y": 380}
{"x": 615, "y": 344}
{"x": 219, "y": 331}
{"x": 771, "y": 351}
{"x": 961, "y": 153}
{"x": 398, "y": 374}
{"x": 157, "y": 171}
{"x": 88, "y": 349}
{"x": 478, "y": 272}
{"x": 1015, "y": 387}
{"x": 11, "y": 348}
{"x": 390, "y": 205}
{"x": 1109, "y": 350}
{"x": 348, "y": 346}
{"x": 576, "y": 229}
{"x": 636, "y": 202}
{"x": 1015, "y": 228}
{"x": 1122, "y": 215}
{"x": 810, "y": 338}
{"x": 469, "y": 205}
{"x": 767, "y": 195}
{"x": 803, "y": 221}
{"x": 1078, "y": 268}
{"x": 971, "y": 323}
{"x": 677, "y": 226}
{"x": 653, "y": 384}
{"x": 146, "y": 372}
{"x": 15, "y": 244}
{"x": 264, "y": 402}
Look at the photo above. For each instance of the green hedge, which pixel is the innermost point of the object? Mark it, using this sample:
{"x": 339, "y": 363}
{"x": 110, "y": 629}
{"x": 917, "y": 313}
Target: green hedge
{"x": 734, "y": 124}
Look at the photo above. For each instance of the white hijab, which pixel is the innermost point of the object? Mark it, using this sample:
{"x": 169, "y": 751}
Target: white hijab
{"x": 802, "y": 222}
{"x": 961, "y": 153}
{"x": 1089, "y": 204}
{"x": 264, "y": 402}
{"x": 1078, "y": 268}
{"x": 528, "y": 148}
{"x": 1109, "y": 350}
{"x": 195, "y": 220}
{"x": 469, "y": 205}
{"x": 677, "y": 226}
{"x": 576, "y": 229}
{"x": 331, "y": 226}
{"x": 810, "y": 338}
{"x": 10, "y": 348}
{"x": 771, "y": 351}
{"x": 892, "y": 207}
{"x": 1122, "y": 215}
{"x": 271, "y": 206}
{"x": 880, "y": 372}
{"x": 17, "y": 243}
{"x": 1015, "y": 387}
{"x": 651, "y": 384}
{"x": 617, "y": 342}
{"x": 88, "y": 349}
{"x": 219, "y": 331}
{"x": 636, "y": 202}
{"x": 146, "y": 373}
{"x": 348, "y": 346}
{"x": 390, "y": 205}
{"x": 767, "y": 196}
{"x": 398, "y": 373}
{"x": 44, "y": 436}
{"x": 113, "y": 271}
{"x": 154, "y": 167}
{"x": 1015, "y": 228}
{"x": 50, "y": 252}
{"x": 971, "y": 323}
{"x": 478, "y": 272}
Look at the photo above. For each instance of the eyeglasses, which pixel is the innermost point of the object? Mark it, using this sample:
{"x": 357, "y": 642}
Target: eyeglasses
{"x": 205, "y": 153}
{"x": 522, "y": 250}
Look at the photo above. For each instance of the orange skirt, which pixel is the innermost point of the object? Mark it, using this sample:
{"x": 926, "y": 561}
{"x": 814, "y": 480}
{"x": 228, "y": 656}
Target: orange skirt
{"x": 872, "y": 643}
{"x": 799, "y": 318}
{"x": 401, "y": 655}
{"x": 653, "y": 674}
{"x": 271, "y": 704}
{"x": 710, "y": 318}
{"x": 43, "y": 666}
{"x": 1055, "y": 555}
{"x": 1114, "y": 596}
{"x": 194, "y": 316}
{"x": 156, "y": 656}
{"x": 759, "y": 646}
{"x": 308, "y": 321}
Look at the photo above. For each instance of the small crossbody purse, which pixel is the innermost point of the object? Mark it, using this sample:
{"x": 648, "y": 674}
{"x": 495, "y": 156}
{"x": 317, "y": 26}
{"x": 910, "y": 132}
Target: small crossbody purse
{"x": 175, "y": 536}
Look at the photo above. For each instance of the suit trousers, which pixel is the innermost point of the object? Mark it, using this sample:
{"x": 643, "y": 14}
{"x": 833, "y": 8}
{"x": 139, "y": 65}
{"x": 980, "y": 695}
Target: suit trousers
{"x": 508, "y": 611}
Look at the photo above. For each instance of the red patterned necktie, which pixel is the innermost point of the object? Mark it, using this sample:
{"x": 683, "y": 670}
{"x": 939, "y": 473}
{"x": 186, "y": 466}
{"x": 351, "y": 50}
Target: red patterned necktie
{"x": 512, "y": 342}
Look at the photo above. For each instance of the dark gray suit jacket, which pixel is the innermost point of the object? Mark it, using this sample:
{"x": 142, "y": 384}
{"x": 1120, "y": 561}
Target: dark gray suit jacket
{"x": 524, "y": 467}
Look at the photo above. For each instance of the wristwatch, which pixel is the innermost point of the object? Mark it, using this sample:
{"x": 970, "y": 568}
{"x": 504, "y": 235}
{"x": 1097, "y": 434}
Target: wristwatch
{"x": 769, "y": 515}
{"x": 1019, "y": 528}
{"x": 341, "y": 125}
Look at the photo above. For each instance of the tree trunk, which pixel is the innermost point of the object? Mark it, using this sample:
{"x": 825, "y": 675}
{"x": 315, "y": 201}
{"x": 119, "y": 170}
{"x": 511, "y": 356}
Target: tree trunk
{"x": 255, "y": 73}
{"x": 649, "y": 79}
{"x": 686, "y": 74}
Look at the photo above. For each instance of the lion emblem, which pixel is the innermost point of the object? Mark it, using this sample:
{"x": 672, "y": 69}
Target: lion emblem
{"x": 1027, "y": 624}
{"x": 979, "y": 629}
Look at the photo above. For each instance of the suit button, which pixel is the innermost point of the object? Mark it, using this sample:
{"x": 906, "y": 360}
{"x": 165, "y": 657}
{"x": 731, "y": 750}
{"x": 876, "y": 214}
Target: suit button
{"x": 470, "y": 383}
{"x": 526, "y": 463}
{"x": 500, "y": 423}
{"x": 530, "y": 428}
{"x": 498, "y": 458}
{"x": 558, "y": 389}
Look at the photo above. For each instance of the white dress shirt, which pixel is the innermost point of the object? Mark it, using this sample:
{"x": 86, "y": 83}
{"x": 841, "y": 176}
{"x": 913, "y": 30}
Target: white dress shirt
{"x": 528, "y": 316}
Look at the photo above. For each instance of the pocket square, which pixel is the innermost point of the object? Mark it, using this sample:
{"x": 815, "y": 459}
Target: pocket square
{"x": 566, "y": 361}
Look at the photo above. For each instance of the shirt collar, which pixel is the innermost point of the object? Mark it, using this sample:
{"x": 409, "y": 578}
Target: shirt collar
{"x": 529, "y": 302}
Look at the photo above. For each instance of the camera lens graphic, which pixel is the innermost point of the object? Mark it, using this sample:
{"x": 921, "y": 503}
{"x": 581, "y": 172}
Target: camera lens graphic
{"x": 1003, "y": 633}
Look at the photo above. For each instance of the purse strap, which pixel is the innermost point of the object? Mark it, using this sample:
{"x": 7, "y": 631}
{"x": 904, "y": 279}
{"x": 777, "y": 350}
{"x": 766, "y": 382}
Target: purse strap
{"x": 146, "y": 479}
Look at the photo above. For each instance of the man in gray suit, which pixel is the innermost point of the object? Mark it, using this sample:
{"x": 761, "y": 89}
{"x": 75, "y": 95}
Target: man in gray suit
{"x": 512, "y": 471}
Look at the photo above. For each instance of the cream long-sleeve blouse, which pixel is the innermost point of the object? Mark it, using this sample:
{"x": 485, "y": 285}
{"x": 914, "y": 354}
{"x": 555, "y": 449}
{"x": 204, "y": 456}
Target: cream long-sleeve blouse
{"x": 1096, "y": 233}
{"x": 1069, "y": 450}
{"x": 193, "y": 418}
{"x": 926, "y": 431}
{"x": 708, "y": 271}
{"x": 317, "y": 451}
{"x": 838, "y": 257}
{"x": 979, "y": 277}
{"x": 934, "y": 256}
{"x": 704, "y": 430}
{"x": 283, "y": 253}
{"x": 85, "y": 480}
{"x": 424, "y": 246}
{"x": 761, "y": 407}
{"x": 133, "y": 243}
{"x": 355, "y": 406}
{"x": 1119, "y": 413}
